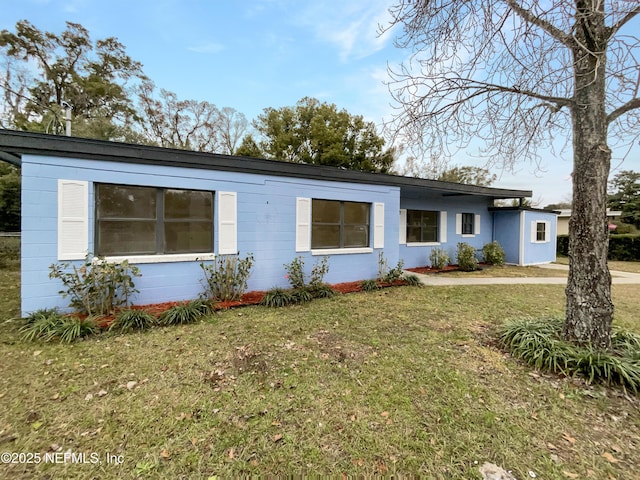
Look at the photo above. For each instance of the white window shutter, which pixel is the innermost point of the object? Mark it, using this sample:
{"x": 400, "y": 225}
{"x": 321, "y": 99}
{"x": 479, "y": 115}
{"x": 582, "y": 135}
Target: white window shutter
{"x": 303, "y": 224}
{"x": 476, "y": 225}
{"x": 443, "y": 227}
{"x": 73, "y": 219}
{"x": 403, "y": 227}
{"x": 534, "y": 231}
{"x": 458, "y": 224}
{"x": 227, "y": 223}
{"x": 547, "y": 232}
{"x": 378, "y": 225}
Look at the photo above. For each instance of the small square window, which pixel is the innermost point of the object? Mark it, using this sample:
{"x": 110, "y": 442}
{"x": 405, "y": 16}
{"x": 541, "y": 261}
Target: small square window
{"x": 541, "y": 232}
{"x": 468, "y": 223}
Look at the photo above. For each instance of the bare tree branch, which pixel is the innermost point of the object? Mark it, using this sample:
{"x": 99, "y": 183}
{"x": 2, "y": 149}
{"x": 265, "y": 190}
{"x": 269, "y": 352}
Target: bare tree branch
{"x": 622, "y": 109}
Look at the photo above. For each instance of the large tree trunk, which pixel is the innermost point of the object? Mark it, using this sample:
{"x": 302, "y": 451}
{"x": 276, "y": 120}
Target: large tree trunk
{"x": 589, "y": 310}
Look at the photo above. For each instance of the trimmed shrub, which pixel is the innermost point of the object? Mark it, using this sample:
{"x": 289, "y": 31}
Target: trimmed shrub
{"x": 439, "y": 258}
{"x": 131, "y": 320}
{"x": 493, "y": 253}
{"x": 540, "y": 344}
{"x": 226, "y": 277}
{"x": 97, "y": 287}
{"x": 296, "y": 275}
{"x": 467, "y": 261}
{"x": 624, "y": 248}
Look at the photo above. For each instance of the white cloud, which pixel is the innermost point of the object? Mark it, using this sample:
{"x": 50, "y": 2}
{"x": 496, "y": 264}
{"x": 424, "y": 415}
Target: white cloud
{"x": 209, "y": 47}
{"x": 352, "y": 26}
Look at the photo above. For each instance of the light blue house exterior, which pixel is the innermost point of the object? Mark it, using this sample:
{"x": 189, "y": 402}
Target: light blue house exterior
{"x": 168, "y": 210}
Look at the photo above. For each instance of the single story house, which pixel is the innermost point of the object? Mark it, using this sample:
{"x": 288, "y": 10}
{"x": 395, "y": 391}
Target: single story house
{"x": 166, "y": 210}
{"x": 565, "y": 214}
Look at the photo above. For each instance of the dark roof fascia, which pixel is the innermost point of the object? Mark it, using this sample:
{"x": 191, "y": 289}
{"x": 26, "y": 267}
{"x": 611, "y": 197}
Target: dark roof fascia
{"x": 520, "y": 209}
{"x": 18, "y": 142}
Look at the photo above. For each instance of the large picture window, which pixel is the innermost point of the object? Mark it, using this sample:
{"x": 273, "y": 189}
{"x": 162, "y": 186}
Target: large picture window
{"x": 336, "y": 224}
{"x": 148, "y": 220}
{"x": 422, "y": 226}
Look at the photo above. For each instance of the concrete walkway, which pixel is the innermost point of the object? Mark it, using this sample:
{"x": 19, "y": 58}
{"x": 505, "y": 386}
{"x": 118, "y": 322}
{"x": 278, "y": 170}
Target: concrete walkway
{"x": 441, "y": 280}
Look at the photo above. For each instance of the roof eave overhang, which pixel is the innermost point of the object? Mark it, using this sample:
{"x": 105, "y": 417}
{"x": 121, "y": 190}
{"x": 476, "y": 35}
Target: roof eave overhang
{"x": 17, "y": 143}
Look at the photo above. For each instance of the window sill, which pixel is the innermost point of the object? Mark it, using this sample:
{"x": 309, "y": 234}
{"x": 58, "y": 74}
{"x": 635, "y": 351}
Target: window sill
{"x": 341, "y": 251}
{"x": 423, "y": 244}
{"x": 468, "y": 235}
{"x": 166, "y": 258}
{"x": 541, "y": 241}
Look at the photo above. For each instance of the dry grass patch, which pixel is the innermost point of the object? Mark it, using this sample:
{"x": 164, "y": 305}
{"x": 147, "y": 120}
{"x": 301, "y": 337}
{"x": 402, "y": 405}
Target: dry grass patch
{"x": 401, "y": 382}
{"x": 507, "y": 271}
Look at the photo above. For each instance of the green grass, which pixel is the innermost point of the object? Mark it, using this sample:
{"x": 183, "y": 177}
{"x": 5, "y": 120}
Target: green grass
{"x": 402, "y": 381}
{"x": 631, "y": 267}
{"x": 506, "y": 271}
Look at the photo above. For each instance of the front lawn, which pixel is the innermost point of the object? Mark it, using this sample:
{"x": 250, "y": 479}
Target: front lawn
{"x": 403, "y": 381}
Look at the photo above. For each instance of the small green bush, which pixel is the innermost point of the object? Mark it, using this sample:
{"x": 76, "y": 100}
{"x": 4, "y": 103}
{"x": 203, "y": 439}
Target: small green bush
{"x": 467, "y": 261}
{"x": 540, "y": 344}
{"x": 278, "y": 297}
{"x": 322, "y": 290}
{"x": 9, "y": 252}
{"x": 296, "y": 275}
{"x": 131, "y": 320}
{"x": 302, "y": 295}
{"x": 184, "y": 313}
{"x": 625, "y": 248}
{"x": 412, "y": 280}
{"x": 439, "y": 258}
{"x": 369, "y": 285}
{"x": 225, "y": 279}
{"x": 493, "y": 253}
{"x": 48, "y": 325}
{"x": 97, "y": 287}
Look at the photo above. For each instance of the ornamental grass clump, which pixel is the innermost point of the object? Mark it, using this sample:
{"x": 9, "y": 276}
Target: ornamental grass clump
{"x": 131, "y": 320}
{"x": 540, "y": 344}
{"x": 278, "y": 297}
{"x": 48, "y": 325}
{"x": 184, "y": 313}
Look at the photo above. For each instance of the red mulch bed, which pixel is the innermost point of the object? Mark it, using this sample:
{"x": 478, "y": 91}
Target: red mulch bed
{"x": 249, "y": 298}
{"x": 448, "y": 268}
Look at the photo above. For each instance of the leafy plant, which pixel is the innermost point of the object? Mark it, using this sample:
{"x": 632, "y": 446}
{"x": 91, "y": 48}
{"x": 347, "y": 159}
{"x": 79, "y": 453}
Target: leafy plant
{"x": 97, "y": 287}
{"x": 389, "y": 275}
{"x": 226, "y": 277}
{"x": 184, "y": 313}
{"x": 493, "y": 253}
{"x": 296, "y": 275}
{"x": 48, "y": 325}
{"x": 369, "y": 285}
{"x": 278, "y": 297}
{"x": 132, "y": 319}
{"x": 319, "y": 270}
{"x": 439, "y": 258}
{"x": 295, "y": 272}
{"x": 467, "y": 261}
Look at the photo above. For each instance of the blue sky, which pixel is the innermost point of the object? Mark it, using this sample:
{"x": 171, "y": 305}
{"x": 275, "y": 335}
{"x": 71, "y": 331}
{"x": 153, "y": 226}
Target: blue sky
{"x": 253, "y": 54}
